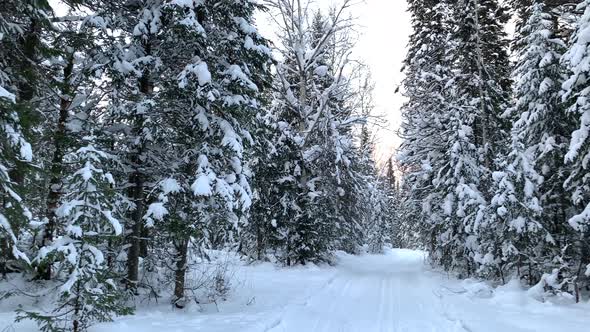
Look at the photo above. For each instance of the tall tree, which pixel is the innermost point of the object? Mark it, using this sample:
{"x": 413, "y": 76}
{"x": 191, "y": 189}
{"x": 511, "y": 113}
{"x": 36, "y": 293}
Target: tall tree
{"x": 575, "y": 95}
{"x": 425, "y": 129}
{"x": 210, "y": 103}
{"x": 19, "y": 48}
{"x": 530, "y": 201}
{"x": 318, "y": 191}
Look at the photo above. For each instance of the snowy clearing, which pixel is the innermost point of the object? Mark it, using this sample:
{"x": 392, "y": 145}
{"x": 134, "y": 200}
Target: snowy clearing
{"x": 392, "y": 292}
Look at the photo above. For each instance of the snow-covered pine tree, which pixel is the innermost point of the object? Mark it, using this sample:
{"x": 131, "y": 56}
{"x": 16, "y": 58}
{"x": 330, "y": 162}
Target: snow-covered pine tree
{"x": 375, "y": 213}
{"x": 72, "y": 91}
{"x": 19, "y": 45}
{"x": 14, "y": 150}
{"x": 406, "y": 232}
{"x": 87, "y": 292}
{"x": 144, "y": 116}
{"x": 423, "y": 155}
{"x": 457, "y": 85}
{"x": 331, "y": 147}
{"x": 372, "y": 212}
{"x": 132, "y": 60}
{"x": 264, "y": 163}
{"x": 477, "y": 133}
{"x": 575, "y": 95}
{"x": 529, "y": 201}
{"x": 211, "y": 104}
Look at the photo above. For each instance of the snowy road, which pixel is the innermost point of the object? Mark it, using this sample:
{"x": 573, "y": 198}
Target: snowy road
{"x": 396, "y": 292}
{"x": 375, "y": 294}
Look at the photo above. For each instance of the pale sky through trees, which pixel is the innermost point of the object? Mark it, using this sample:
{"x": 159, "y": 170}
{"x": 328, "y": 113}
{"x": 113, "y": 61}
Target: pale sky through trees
{"x": 386, "y": 25}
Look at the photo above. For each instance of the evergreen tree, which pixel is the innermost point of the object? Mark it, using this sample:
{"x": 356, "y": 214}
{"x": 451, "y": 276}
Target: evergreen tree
{"x": 318, "y": 188}
{"x": 457, "y": 85}
{"x": 575, "y": 93}
{"x": 529, "y": 201}
{"x": 423, "y": 154}
{"x": 72, "y": 90}
{"x": 374, "y": 210}
{"x": 19, "y": 45}
{"x": 211, "y": 104}
{"x": 476, "y": 130}
{"x": 88, "y": 291}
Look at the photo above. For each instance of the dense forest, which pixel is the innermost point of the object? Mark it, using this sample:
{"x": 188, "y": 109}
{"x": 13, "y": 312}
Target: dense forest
{"x": 139, "y": 137}
{"x": 497, "y": 150}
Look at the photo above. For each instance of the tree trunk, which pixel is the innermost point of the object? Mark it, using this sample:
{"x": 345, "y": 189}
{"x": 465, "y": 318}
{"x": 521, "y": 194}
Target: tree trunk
{"x": 137, "y": 190}
{"x": 180, "y": 273}
{"x": 57, "y": 167}
{"x": 258, "y": 241}
{"x": 77, "y": 306}
{"x": 144, "y": 241}
{"x": 4, "y": 248}
{"x": 136, "y": 195}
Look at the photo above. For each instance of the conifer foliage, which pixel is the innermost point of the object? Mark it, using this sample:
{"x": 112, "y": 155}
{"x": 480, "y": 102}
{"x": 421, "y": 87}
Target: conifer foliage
{"x": 495, "y": 171}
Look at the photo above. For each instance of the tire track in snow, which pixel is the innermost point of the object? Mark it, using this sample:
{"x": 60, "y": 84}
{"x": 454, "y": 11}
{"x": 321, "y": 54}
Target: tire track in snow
{"x": 382, "y": 300}
{"x": 334, "y": 303}
{"x": 277, "y": 322}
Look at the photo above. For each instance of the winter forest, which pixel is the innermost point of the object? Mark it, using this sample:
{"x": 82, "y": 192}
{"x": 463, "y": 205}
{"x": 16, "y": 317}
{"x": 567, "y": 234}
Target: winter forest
{"x": 166, "y": 164}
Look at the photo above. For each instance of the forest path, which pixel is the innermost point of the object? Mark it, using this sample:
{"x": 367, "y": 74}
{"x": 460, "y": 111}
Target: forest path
{"x": 398, "y": 292}
{"x": 390, "y": 293}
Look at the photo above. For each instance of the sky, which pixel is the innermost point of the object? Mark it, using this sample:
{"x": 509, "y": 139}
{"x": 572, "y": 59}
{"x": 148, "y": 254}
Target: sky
{"x": 384, "y": 27}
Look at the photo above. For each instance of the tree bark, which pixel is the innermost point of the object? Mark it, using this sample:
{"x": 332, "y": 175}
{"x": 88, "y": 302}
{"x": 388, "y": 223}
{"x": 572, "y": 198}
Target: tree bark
{"x": 136, "y": 195}
{"x": 56, "y": 181}
{"x": 143, "y": 242}
{"x": 180, "y": 273}
{"x": 136, "y": 192}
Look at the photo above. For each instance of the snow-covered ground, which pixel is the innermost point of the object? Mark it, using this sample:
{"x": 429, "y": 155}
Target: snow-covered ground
{"x": 392, "y": 292}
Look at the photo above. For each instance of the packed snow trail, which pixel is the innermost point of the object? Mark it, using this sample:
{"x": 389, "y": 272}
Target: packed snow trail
{"x": 373, "y": 294}
{"x": 396, "y": 292}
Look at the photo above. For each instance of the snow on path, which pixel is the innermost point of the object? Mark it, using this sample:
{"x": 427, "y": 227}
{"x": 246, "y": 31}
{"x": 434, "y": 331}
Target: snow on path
{"x": 396, "y": 292}
{"x": 372, "y": 294}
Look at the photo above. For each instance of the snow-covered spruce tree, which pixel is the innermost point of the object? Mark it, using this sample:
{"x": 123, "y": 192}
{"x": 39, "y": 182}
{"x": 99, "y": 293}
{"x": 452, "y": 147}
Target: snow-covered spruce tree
{"x": 376, "y": 213}
{"x": 425, "y": 129}
{"x": 529, "y": 205}
{"x": 477, "y": 132}
{"x": 87, "y": 291}
{"x": 406, "y": 232}
{"x": 211, "y": 103}
{"x": 575, "y": 94}
{"x": 137, "y": 70}
{"x": 14, "y": 150}
{"x": 72, "y": 91}
{"x": 143, "y": 61}
{"x": 264, "y": 161}
{"x": 457, "y": 85}
{"x": 315, "y": 123}
{"x": 19, "y": 47}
